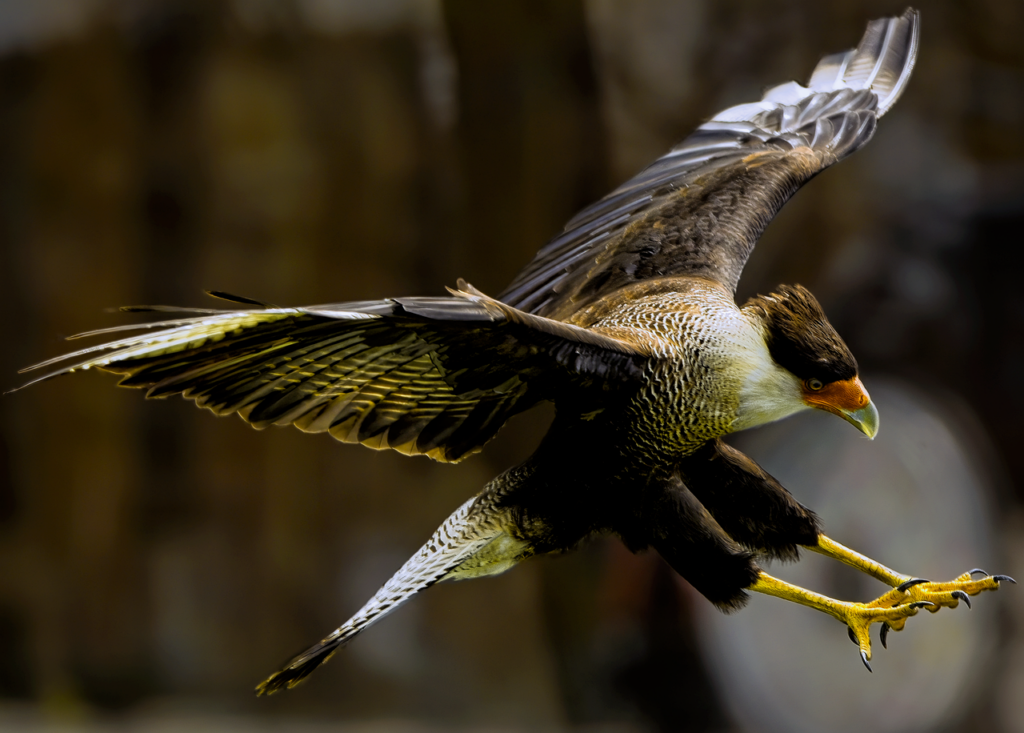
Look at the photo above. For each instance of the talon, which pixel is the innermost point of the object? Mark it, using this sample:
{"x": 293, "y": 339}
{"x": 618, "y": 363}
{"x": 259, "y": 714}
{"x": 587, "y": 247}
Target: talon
{"x": 977, "y": 571}
{"x": 902, "y": 587}
{"x": 864, "y": 658}
{"x": 1001, "y": 578}
{"x": 960, "y": 595}
{"x": 853, "y": 636}
{"x": 920, "y": 604}
{"x": 883, "y": 634}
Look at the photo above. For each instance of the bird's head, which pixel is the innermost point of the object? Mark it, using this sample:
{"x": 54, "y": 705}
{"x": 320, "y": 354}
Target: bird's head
{"x": 802, "y": 341}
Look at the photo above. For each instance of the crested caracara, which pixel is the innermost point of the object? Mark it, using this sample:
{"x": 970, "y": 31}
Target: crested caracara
{"x": 627, "y": 322}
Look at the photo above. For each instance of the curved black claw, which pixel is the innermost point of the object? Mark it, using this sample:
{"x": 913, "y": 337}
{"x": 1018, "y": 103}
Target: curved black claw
{"x": 1001, "y": 578}
{"x": 853, "y": 636}
{"x": 864, "y": 658}
{"x": 959, "y": 594}
{"x": 977, "y": 571}
{"x": 921, "y": 604}
{"x": 910, "y": 583}
{"x": 883, "y": 634}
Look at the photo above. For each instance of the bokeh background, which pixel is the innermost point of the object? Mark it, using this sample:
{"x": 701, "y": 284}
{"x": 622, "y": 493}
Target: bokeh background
{"x": 156, "y": 563}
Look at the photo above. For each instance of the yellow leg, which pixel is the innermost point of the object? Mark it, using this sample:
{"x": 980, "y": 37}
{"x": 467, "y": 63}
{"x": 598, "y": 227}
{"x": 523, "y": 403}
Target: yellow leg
{"x": 907, "y": 589}
{"x": 891, "y": 610}
{"x": 858, "y": 617}
{"x": 910, "y": 590}
{"x": 830, "y": 548}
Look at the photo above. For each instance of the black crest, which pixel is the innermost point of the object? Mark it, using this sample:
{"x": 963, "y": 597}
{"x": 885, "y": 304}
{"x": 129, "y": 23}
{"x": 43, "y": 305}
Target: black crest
{"x": 800, "y": 338}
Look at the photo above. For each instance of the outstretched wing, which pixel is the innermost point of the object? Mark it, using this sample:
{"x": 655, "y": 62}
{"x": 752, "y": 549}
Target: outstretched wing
{"x": 700, "y": 209}
{"x": 433, "y": 376}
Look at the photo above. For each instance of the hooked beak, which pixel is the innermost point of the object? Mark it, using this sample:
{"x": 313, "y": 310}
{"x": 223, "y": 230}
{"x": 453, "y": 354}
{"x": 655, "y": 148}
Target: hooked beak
{"x": 865, "y": 419}
{"x": 849, "y": 400}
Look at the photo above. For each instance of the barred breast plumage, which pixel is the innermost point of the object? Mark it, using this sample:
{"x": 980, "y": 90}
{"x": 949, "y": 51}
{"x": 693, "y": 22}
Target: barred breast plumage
{"x": 691, "y": 391}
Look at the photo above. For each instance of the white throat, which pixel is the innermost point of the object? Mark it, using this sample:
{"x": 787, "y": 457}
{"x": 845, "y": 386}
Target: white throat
{"x": 768, "y": 392}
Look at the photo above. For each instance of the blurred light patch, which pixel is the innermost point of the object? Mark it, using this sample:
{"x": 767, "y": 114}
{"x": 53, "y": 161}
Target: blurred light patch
{"x": 438, "y": 70}
{"x": 24, "y": 25}
{"x": 915, "y": 499}
{"x": 344, "y": 16}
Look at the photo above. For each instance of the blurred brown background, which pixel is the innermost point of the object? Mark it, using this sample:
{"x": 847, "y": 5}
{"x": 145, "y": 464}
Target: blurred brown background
{"x": 156, "y": 563}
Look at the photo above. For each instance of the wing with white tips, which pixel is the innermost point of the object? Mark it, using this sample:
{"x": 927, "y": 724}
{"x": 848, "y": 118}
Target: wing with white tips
{"x": 700, "y": 209}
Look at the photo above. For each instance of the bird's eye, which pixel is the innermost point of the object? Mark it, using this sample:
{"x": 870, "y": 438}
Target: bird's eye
{"x": 814, "y": 384}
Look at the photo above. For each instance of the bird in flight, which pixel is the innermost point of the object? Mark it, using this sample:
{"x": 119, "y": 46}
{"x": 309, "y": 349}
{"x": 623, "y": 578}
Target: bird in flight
{"x": 627, "y": 322}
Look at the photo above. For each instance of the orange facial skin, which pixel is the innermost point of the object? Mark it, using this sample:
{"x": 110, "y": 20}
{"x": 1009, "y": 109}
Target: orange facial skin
{"x": 848, "y": 399}
{"x": 838, "y": 398}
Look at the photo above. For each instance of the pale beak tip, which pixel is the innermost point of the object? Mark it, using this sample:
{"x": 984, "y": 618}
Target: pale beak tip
{"x": 865, "y": 419}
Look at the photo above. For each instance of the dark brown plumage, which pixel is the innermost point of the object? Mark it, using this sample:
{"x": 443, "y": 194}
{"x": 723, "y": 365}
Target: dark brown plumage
{"x": 627, "y": 322}
{"x": 800, "y": 338}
